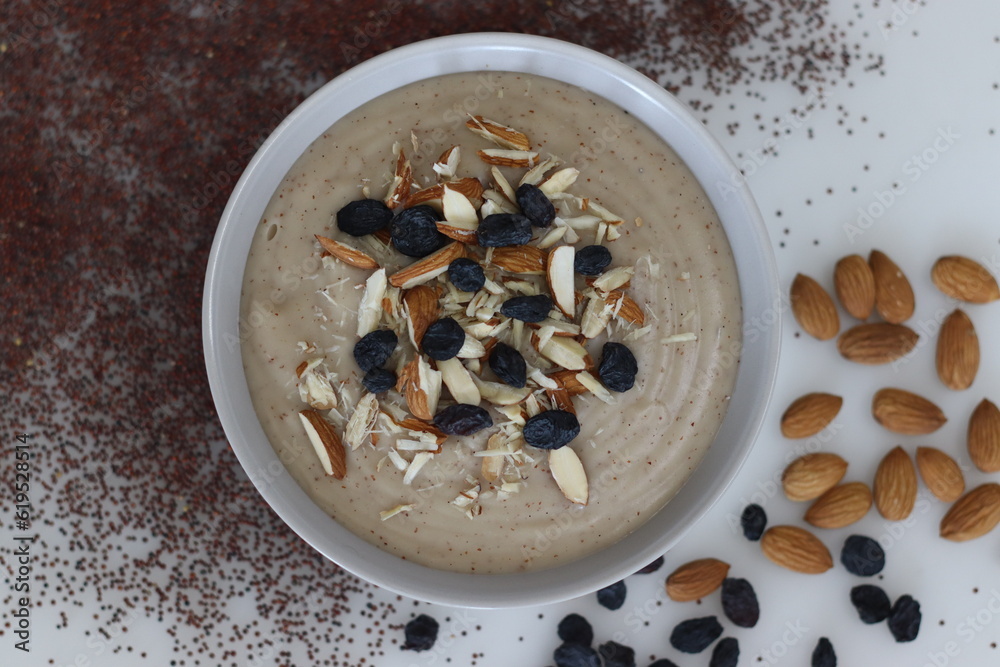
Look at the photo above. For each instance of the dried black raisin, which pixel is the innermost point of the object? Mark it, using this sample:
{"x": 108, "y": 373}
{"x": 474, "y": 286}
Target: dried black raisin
{"x": 527, "y": 308}
{"x": 509, "y": 365}
{"x": 616, "y": 655}
{"x": 652, "y": 567}
{"x": 662, "y": 662}
{"x": 551, "y": 429}
{"x": 591, "y": 260}
{"x": 421, "y": 633}
{"x": 365, "y": 216}
{"x": 739, "y": 602}
{"x": 613, "y": 596}
{"x": 443, "y": 339}
{"x": 575, "y": 629}
{"x": 462, "y": 419}
{"x": 904, "y": 619}
{"x": 726, "y": 653}
{"x": 754, "y": 521}
{"x": 503, "y": 229}
{"x": 862, "y": 556}
{"x": 466, "y": 275}
{"x": 871, "y": 602}
{"x": 374, "y": 349}
{"x": 576, "y": 655}
{"x": 535, "y": 205}
{"x": 823, "y": 655}
{"x": 415, "y": 233}
{"x": 618, "y": 367}
{"x": 696, "y": 634}
{"x": 378, "y": 380}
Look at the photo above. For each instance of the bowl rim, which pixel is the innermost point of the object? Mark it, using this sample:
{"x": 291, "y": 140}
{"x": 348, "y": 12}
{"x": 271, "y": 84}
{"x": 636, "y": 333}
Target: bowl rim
{"x": 474, "y": 52}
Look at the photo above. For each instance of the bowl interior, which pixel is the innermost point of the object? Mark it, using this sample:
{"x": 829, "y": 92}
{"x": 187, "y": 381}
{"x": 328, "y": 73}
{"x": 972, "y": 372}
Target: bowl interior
{"x": 565, "y": 62}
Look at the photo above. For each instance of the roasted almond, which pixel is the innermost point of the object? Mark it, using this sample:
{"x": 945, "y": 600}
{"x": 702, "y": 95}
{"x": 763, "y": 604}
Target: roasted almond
{"x": 428, "y": 268}
{"x": 984, "y": 436}
{"x": 813, "y": 308}
{"x": 965, "y": 279}
{"x": 855, "y": 286}
{"x": 796, "y": 549}
{"x": 877, "y": 343}
{"x": 895, "y": 486}
{"x": 974, "y": 515}
{"x": 695, "y": 580}
{"x": 326, "y": 442}
{"x": 812, "y": 475}
{"x": 810, "y": 414}
{"x": 346, "y": 253}
{"x": 940, "y": 473}
{"x": 957, "y": 352}
{"x": 906, "y": 413}
{"x": 501, "y": 135}
{"x": 840, "y": 506}
{"x": 893, "y": 293}
{"x": 523, "y": 259}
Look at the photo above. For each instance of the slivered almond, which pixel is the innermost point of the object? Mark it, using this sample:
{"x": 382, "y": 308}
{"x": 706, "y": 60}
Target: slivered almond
{"x": 414, "y": 424}
{"x": 421, "y": 387}
{"x": 855, "y": 286}
{"x": 498, "y": 393}
{"x": 427, "y": 268}
{"x": 402, "y": 180}
{"x": 568, "y": 381}
{"x": 906, "y": 413}
{"x": 941, "y": 474}
{"x": 565, "y": 352}
{"x": 503, "y": 184}
{"x": 456, "y": 377}
{"x": 561, "y": 399}
{"x": 370, "y": 310}
{"x": 613, "y": 279}
{"x": 560, "y": 274}
{"x": 499, "y": 134}
{"x": 895, "y": 486}
{"x": 523, "y": 259}
{"x": 508, "y": 158}
{"x": 984, "y": 436}
{"x": 536, "y": 174}
{"x": 422, "y": 310}
{"x": 569, "y": 474}
{"x": 877, "y": 343}
{"x": 470, "y": 187}
{"x": 957, "y": 357}
{"x": 559, "y": 181}
{"x": 813, "y": 308}
{"x": 595, "y": 317}
{"x": 894, "y": 299}
{"x": 810, "y": 414}
{"x": 974, "y": 515}
{"x": 346, "y": 253}
{"x": 457, "y": 209}
{"x": 493, "y": 465}
{"x": 625, "y": 308}
{"x": 965, "y": 279}
{"x": 326, "y": 442}
{"x": 362, "y": 421}
{"x": 446, "y": 166}
{"x": 466, "y": 236}
{"x": 697, "y": 579}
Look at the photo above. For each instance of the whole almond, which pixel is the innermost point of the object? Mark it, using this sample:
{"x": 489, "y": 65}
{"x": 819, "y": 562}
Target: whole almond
{"x": 984, "y": 436}
{"x": 812, "y": 475}
{"x": 974, "y": 515}
{"x": 893, "y": 293}
{"x": 840, "y": 506}
{"x": 957, "y": 352}
{"x": 877, "y": 343}
{"x": 895, "y": 487}
{"x": 941, "y": 474}
{"x": 855, "y": 286}
{"x": 796, "y": 549}
{"x": 810, "y": 414}
{"x": 813, "y": 308}
{"x": 695, "y": 580}
{"x": 965, "y": 279}
{"x": 906, "y": 413}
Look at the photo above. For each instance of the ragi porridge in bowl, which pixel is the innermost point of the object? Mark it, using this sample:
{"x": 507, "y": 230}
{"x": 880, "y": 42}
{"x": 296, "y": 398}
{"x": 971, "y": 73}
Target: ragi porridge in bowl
{"x": 535, "y": 190}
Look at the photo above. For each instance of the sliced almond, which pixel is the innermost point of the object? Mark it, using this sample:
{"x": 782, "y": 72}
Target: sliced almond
{"x": 565, "y": 352}
{"x": 893, "y": 293}
{"x": 984, "y": 436}
{"x": 895, "y": 487}
{"x": 428, "y": 268}
{"x": 421, "y": 387}
{"x": 414, "y": 424}
{"x": 471, "y": 349}
{"x": 422, "y": 310}
{"x": 362, "y": 421}
{"x": 560, "y": 275}
{"x": 877, "y": 343}
{"x": 855, "y": 286}
{"x": 346, "y": 253}
{"x": 813, "y": 308}
{"x": 559, "y": 181}
{"x": 433, "y": 195}
{"x": 457, "y": 209}
{"x": 402, "y": 179}
{"x": 796, "y": 549}
{"x": 974, "y": 515}
{"x": 941, "y": 474}
{"x": 492, "y": 466}
{"x": 595, "y": 317}
{"x": 498, "y": 393}
{"x": 810, "y": 414}
{"x": 840, "y": 506}
{"x": 906, "y": 413}
{"x": 613, "y": 279}
{"x": 508, "y": 158}
{"x": 957, "y": 356}
{"x": 522, "y": 259}
{"x": 625, "y": 308}
{"x": 370, "y": 310}
{"x": 501, "y": 135}
{"x": 595, "y": 387}
{"x": 326, "y": 442}
{"x": 697, "y": 579}
{"x": 459, "y": 382}
{"x": 561, "y": 399}
{"x": 965, "y": 279}
{"x": 567, "y": 470}
{"x": 317, "y": 390}
{"x": 812, "y": 475}
{"x": 536, "y": 174}
{"x": 568, "y": 381}
{"x": 446, "y": 166}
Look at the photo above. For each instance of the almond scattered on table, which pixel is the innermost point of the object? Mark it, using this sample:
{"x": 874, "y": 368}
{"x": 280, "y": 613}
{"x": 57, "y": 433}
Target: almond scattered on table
{"x": 974, "y": 515}
{"x": 877, "y": 343}
{"x": 854, "y": 284}
{"x": 840, "y": 506}
{"x": 965, "y": 279}
{"x": 796, "y": 549}
{"x": 941, "y": 474}
{"x": 983, "y": 438}
{"x": 906, "y": 413}
{"x": 813, "y": 308}
{"x": 695, "y": 580}
{"x": 895, "y": 486}
{"x": 812, "y": 475}
{"x": 894, "y": 298}
{"x": 810, "y": 414}
{"x": 957, "y": 358}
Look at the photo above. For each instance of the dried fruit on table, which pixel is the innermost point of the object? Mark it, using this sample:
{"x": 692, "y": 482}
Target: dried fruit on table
{"x": 420, "y": 633}
{"x": 726, "y": 653}
{"x": 871, "y": 602}
{"x": 575, "y": 629}
{"x": 904, "y": 619}
{"x": 696, "y": 634}
{"x": 612, "y": 596}
{"x": 823, "y": 655}
{"x": 753, "y": 520}
{"x": 739, "y": 602}
{"x": 614, "y": 654}
{"x": 862, "y": 556}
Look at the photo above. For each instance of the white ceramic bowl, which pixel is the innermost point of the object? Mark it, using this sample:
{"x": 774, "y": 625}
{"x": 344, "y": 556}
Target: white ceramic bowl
{"x": 646, "y": 101}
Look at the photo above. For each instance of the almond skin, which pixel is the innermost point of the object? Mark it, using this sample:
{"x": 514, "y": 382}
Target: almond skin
{"x": 796, "y": 549}
{"x": 965, "y": 279}
{"x": 855, "y": 286}
{"x": 984, "y": 437}
{"x": 813, "y": 308}
{"x": 840, "y": 506}
{"x": 895, "y": 487}
{"x": 893, "y": 293}
{"x": 976, "y": 514}
{"x": 957, "y": 352}
{"x": 906, "y": 413}
{"x": 695, "y": 580}
{"x": 941, "y": 474}
{"x": 812, "y": 475}
{"x": 810, "y": 414}
{"x": 877, "y": 343}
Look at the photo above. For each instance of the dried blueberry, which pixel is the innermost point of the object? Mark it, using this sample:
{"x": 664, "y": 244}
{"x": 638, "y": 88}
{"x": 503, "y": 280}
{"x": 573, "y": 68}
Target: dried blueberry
{"x": 754, "y": 521}
{"x": 443, "y": 339}
{"x": 904, "y": 619}
{"x": 823, "y": 655}
{"x": 591, "y": 260}
{"x": 527, "y": 308}
{"x": 551, "y": 429}
{"x": 415, "y": 233}
{"x": 508, "y": 364}
{"x": 378, "y": 380}
{"x": 871, "y": 602}
{"x": 662, "y": 662}
{"x": 862, "y": 556}
{"x": 575, "y": 629}
{"x": 503, "y": 229}
{"x": 739, "y": 602}
{"x": 652, "y": 567}
{"x": 466, "y": 275}
{"x": 613, "y": 596}
{"x": 535, "y": 205}
{"x": 365, "y": 216}
{"x": 696, "y": 634}
{"x": 421, "y": 633}
{"x": 726, "y": 653}
{"x": 618, "y": 367}
{"x": 462, "y": 419}
{"x": 374, "y": 349}
{"x": 576, "y": 655}
{"x": 616, "y": 655}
